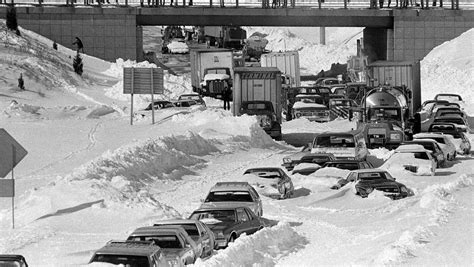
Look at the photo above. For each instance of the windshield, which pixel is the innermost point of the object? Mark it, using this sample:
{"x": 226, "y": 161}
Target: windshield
{"x": 384, "y": 114}
{"x": 127, "y": 260}
{"x": 163, "y": 241}
{"x": 335, "y": 141}
{"x": 190, "y": 97}
{"x": 190, "y": 228}
{"x": 310, "y": 99}
{"x": 221, "y": 215}
{"x": 220, "y": 196}
{"x": 452, "y": 120}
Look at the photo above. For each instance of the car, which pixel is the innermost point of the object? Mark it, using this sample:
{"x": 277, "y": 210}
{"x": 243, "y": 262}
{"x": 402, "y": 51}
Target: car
{"x": 175, "y": 243}
{"x": 460, "y": 122}
{"x": 270, "y": 181}
{"x": 306, "y": 168}
{"x": 13, "y": 260}
{"x": 450, "y": 112}
{"x": 184, "y": 103}
{"x": 444, "y": 141}
{"x": 444, "y": 106}
{"x": 160, "y": 104}
{"x": 177, "y": 46}
{"x": 411, "y": 157}
{"x": 228, "y": 221}
{"x": 292, "y": 160}
{"x": 197, "y": 230}
{"x": 428, "y": 104}
{"x": 433, "y": 147}
{"x": 448, "y": 97}
{"x": 323, "y": 91}
{"x": 330, "y": 82}
{"x": 461, "y": 141}
{"x": 238, "y": 193}
{"x": 146, "y": 254}
{"x": 195, "y": 97}
{"x": 368, "y": 180}
{"x": 348, "y": 164}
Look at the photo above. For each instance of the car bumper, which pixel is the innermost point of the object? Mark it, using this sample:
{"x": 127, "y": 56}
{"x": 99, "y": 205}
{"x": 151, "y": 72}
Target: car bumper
{"x": 221, "y": 243}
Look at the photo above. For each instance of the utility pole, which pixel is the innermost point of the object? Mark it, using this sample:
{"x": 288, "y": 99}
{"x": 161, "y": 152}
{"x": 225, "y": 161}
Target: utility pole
{"x": 322, "y": 35}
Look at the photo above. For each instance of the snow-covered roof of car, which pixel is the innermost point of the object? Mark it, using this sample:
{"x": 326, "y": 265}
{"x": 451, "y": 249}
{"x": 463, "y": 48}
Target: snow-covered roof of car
{"x": 428, "y": 135}
{"x": 369, "y": 170}
{"x": 301, "y": 104}
{"x": 216, "y": 76}
{"x": 175, "y": 221}
{"x": 229, "y": 186}
{"x": 411, "y": 148}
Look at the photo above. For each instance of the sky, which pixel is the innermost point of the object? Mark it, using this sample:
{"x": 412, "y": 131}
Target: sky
{"x": 90, "y": 176}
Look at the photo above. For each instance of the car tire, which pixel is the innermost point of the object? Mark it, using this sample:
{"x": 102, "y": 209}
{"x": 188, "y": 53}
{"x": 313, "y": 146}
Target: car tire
{"x": 232, "y": 238}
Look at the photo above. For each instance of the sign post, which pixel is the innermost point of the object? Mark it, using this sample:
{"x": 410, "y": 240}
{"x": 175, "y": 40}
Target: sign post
{"x": 11, "y": 153}
{"x": 143, "y": 81}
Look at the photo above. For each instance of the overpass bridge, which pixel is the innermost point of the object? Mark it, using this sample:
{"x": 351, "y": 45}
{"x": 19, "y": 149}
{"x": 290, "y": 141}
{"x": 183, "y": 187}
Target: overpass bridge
{"x": 111, "y": 31}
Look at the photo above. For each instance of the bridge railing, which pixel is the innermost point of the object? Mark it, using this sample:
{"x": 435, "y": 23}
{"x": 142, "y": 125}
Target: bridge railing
{"x": 325, "y": 4}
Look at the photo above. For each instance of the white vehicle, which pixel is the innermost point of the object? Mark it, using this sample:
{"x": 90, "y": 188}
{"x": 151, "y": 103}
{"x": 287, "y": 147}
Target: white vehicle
{"x": 414, "y": 158}
{"x": 178, "y": 46}
{"x": 445, "y": 141}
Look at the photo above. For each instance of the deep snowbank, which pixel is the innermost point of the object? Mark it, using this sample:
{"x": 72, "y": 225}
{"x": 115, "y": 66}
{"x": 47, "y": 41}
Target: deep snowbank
{"x": 263, "y": 248}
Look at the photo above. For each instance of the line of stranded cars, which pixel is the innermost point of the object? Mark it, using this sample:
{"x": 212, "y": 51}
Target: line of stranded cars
{"x": 229, "y": 210}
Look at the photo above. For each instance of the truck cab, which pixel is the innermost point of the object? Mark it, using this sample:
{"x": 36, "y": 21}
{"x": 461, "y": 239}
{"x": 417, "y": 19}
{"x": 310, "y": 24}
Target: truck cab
{"x": 311, "y": 107}
{"x": 266, "y": 116}
{"x": 214, "y": 81}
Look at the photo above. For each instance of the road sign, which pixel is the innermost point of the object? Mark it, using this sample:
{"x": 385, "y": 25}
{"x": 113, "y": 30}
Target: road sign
{"x": 143, "y": 81}
{"x": 7, "y": 188}
{"x": 11, "y": 153}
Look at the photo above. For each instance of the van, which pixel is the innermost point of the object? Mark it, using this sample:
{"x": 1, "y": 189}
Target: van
{"x": 343, "y": 145}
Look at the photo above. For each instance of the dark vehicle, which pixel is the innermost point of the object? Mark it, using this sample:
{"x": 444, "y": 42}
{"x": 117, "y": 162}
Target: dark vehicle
{"x": 236, "y": 193}
{"x": 128, "y": 253}
{"x": 174, "y": 242}
{"x": 161, "y": 104}
{"x": 228, "y": 221}
{"x": 310, "y": 106}
{"x": 194, "y": 97}
{"x": 272, "y": 181}
{"x": 432, "y": 146}
{"x": 13, "y": 260}
{"x": 444, "y": 113}
{"x": 428, "y": 104}
{"x": 460, "y": 122}
{"x": 305, "y": 156}
{"x": 323, "y": 91}
{"x": 349, "y": 164}
{"x": 265, "y": 114}
{"x": 368, "y": 180}
{"x": 448, "y": 97}
{"x": 215, "y": 80}
{"x": 464, "y": 146}
{"x": 197, "y": 230}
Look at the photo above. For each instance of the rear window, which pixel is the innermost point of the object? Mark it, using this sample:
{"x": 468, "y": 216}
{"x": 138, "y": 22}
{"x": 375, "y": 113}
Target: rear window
{"x": 221, "y": 215}
{"x": 163, "y": 241}
{"x": 370, "y": 175}
{"x": 127, "y": 260}
{"x": 191, "y": 229}
{"x": 421, "y": 155}
{"x": 256, "y": 106}
{"x": 335, "y": 141}
{"x": 236, "y": 196}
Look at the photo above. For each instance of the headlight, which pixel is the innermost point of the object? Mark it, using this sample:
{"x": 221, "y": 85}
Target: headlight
{"x": 395, "y": 136}
{"x": 286, "y": 160}
{"x": 298, "y": 114}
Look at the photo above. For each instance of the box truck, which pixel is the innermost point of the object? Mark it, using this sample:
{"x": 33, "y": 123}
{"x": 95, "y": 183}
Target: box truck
{"x": 287, "y": 62}
{"x": 257, "y": 91}
{"x": 210, "y": 69}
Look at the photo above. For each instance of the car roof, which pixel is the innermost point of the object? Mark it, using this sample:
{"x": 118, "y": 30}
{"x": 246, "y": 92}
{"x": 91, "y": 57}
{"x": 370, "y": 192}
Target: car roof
{"x": 191, "y": 94}
{"x": 264, "y": 169}
{"x": 175, "y": 221}
{"x": 226, "y": 186}
{"x": 368, "y": 170}
{"x": 429, "y": 134}
{"x": 221, "y": 206}
{"x": 12, "y": 257}
{"x": 151, "y": 230}
{"x": 411, "y": 148}
{"x": 138, "y": 248}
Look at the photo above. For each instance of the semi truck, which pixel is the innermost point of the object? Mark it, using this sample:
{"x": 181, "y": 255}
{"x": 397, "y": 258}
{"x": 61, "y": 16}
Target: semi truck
{"x": 257, "y": 91}
{"x": 225, "y": 36}
{"x": 211, "y": 70}
{"x": 287, "y": 62}
{"x": 390, "y": 102}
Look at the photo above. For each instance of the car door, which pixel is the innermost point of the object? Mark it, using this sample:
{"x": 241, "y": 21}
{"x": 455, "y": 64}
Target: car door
{"x": 205, "y": 238}
{"x": 189, "y": 249}
{"x": 244, "y": 222}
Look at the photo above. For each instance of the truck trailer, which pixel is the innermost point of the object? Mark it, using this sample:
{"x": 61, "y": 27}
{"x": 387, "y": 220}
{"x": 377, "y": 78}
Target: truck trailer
{"x": 211, "y": 69}
{"x": 257, "y": 91}
{"x": 287, "y": 62}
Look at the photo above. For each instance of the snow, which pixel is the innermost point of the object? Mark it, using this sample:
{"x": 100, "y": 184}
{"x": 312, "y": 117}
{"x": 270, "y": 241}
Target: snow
{"x": 90, "y": 176}
{"x": 301, "y": 104}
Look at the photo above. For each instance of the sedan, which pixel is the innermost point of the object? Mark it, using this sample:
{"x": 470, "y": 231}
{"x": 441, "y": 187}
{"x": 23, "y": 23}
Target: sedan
{"x": 433, "y": 147}
{"x": 228, "y": 221}
{"x": 270, "y": 181}
{"x": 174, "y": 241}
{"x": 444, "y": 141}
{"x": 12, "y": 260}
{"x": 194, "y": 97}
{"x": 197, "y": 230}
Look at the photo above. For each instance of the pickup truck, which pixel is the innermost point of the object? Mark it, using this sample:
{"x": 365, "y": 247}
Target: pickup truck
{"x": 265, "y": 114}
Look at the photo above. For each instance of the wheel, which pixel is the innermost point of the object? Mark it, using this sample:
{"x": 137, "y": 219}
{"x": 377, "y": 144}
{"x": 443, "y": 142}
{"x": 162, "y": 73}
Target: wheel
{"x": 232, "y": 239}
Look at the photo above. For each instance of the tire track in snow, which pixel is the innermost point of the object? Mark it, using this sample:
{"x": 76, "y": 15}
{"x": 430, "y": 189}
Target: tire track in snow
{"x": 92, "y": 142}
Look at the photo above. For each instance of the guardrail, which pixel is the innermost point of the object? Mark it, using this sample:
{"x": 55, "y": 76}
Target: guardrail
{"x": 322, "y": 4}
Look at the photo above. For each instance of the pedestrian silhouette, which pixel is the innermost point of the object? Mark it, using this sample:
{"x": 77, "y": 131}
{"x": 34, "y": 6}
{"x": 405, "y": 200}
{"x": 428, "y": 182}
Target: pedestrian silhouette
{"x": 79, "y": 44}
